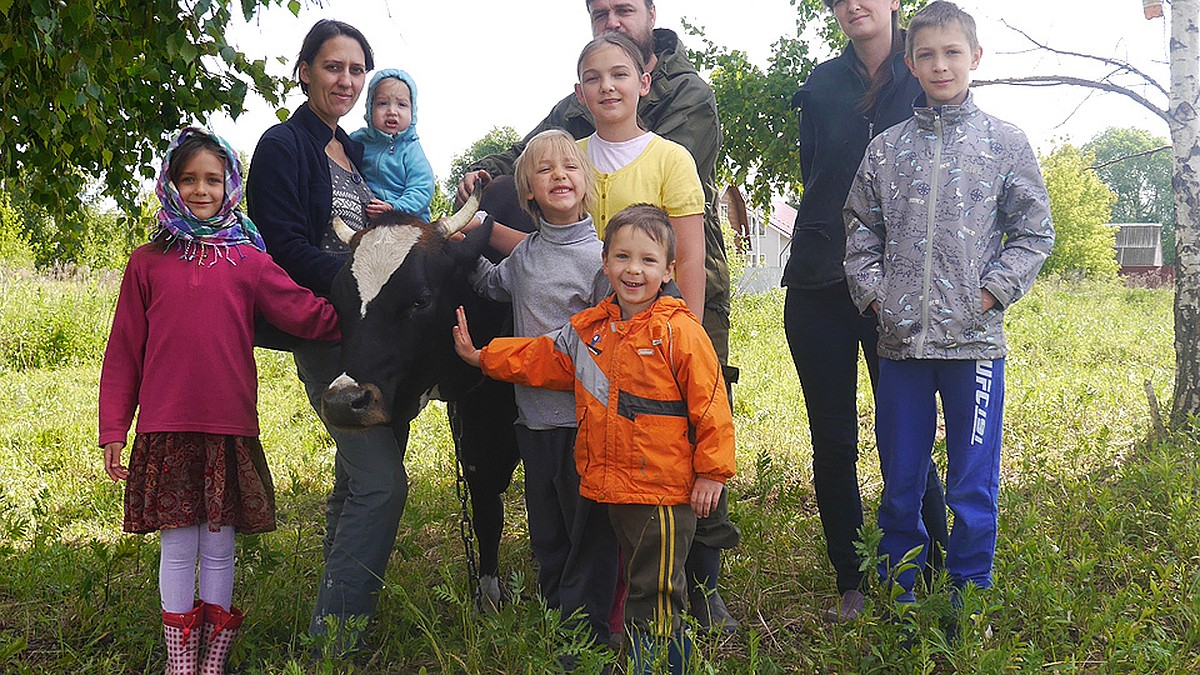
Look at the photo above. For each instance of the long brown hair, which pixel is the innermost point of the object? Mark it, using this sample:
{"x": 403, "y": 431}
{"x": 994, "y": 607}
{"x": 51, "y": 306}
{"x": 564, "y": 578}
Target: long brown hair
{"x": 883, "y": 74}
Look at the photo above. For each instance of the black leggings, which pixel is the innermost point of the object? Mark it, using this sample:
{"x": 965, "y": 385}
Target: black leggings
{"x": 825, "y": 333}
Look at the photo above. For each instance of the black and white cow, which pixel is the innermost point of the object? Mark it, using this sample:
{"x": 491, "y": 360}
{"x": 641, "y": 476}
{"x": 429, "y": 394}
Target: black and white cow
{"x": 396, "y": 299}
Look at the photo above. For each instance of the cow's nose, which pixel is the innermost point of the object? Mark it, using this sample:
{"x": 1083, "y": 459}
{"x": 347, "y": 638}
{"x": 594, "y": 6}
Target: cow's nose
{"x": 362, "y": 401}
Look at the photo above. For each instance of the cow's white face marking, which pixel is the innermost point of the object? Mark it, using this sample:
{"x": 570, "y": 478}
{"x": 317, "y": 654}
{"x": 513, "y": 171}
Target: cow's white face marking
{"x": 381, "y": 251}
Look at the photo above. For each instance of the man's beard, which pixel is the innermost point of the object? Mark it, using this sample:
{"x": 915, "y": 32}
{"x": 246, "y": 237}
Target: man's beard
{"x": 644, "y": 42}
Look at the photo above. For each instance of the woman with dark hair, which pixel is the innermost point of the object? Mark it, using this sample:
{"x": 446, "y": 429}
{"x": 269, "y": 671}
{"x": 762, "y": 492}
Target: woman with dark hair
{"x": 844, "y": 103}
{"x": 303, "y": 174}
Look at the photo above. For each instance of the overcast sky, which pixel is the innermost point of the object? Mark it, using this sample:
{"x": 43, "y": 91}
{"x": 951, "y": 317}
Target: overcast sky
{"x": 481, "y": 63}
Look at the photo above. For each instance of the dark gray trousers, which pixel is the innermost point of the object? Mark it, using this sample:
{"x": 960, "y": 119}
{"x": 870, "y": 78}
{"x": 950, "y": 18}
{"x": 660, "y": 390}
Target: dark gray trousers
{"x": 570, "y": 535}
{"x": 362, "y": 515}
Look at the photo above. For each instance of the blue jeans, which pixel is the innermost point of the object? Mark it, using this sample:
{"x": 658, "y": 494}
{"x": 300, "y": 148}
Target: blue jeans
{"x": 972, "y": 394}
{"x": 362, "y": 515}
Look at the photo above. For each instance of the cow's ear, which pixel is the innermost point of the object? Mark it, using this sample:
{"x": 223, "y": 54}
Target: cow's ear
{"x": 468, "y": 250}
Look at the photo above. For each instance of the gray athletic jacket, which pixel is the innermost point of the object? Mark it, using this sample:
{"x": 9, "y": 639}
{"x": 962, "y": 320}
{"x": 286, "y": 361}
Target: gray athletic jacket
{"x": 945, "y": 204}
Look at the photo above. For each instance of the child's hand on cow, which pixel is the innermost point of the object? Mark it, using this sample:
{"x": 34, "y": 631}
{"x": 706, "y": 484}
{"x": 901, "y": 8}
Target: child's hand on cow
{"x": 377, "y": 207}
{"x": 112, "y": 461}
{"x": 462, "y": 340}
{"x": 705, "y": 495}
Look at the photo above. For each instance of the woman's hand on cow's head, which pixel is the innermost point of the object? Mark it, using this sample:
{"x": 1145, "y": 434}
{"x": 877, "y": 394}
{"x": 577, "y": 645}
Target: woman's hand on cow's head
{"x": 462, "y": 340}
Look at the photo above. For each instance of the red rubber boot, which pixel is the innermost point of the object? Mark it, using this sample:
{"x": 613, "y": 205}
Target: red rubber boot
{"x": 182, "y": 635}
{"x": 220, "y": 628}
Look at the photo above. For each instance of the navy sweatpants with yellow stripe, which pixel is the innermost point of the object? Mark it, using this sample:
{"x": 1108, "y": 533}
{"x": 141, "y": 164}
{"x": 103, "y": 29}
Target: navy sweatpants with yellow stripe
{"x": 654, "y": 544}
{"x": 972, "y": 394}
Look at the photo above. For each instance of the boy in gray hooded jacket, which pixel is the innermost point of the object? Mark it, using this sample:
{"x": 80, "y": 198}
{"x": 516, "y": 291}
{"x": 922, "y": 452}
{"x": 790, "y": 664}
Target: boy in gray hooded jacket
{"x": 948, "y": 223}
{"x": 394, "y": 165}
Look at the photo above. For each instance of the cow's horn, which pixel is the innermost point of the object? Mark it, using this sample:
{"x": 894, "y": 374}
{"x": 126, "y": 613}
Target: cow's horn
{"x": 453, "y": 223}
{"x": 342, "y": 230}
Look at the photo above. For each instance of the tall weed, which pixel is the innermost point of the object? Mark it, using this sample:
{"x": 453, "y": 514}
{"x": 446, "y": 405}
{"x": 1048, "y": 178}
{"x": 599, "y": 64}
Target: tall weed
{"x": 48, "y": 323}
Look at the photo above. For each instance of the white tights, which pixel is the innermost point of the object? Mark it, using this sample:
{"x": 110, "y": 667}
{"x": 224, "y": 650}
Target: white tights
{"x": 181, "y": 548}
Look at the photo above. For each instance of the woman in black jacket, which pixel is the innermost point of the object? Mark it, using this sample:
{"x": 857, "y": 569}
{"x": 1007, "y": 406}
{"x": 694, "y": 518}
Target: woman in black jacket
{"x": 305, "y": 172}
{"x": 844, "y": 103}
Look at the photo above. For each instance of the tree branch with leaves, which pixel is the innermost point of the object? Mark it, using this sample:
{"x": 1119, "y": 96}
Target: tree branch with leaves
{"x": 92, "y": 88}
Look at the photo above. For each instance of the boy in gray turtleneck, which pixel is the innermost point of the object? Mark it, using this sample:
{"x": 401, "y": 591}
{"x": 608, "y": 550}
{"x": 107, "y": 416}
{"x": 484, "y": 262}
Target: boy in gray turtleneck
{"x": 551, "y": 275}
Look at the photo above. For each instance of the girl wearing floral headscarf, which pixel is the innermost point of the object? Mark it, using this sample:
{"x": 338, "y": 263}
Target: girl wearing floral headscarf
{"x": 181, "y": 353}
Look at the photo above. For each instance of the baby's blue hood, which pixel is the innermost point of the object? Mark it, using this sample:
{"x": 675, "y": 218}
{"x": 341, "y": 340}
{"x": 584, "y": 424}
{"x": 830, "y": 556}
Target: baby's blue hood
{"x": 373, "y": 134}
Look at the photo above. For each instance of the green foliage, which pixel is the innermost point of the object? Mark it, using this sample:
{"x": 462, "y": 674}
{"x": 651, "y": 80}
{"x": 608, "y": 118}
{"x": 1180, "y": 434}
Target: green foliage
{"x": 14, "y": 245}
{"x": 1080, "y": 204}
{"x": 497, "y": 139}
{"x": 760, "y": 150}
{"x": 1142, "y": 181}
{"x": 53, "y": 324}
{"x": 441, "y": 204}
{"x": 88, "y": 237}
{"x": 736, "y": 260}
{"x": 531, "y": 634}
{"x": 91, "y": 88}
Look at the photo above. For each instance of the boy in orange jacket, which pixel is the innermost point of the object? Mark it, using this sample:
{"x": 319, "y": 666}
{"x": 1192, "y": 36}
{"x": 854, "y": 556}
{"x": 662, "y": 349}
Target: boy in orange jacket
{"x": 655, "y": 437}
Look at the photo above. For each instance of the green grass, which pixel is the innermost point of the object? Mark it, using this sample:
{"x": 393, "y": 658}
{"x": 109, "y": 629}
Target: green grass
{"x": 1098, "y": 562}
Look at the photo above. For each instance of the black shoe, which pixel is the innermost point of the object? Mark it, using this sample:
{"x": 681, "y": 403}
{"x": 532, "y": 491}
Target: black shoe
{"x": 710, "y": 611}
{"x": 703, "y": 567}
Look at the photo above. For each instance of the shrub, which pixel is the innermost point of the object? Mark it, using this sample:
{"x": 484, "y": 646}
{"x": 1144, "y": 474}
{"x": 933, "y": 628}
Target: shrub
{"x": 1081, "y": 205}
{"x": 51, "y": 323}
{"x": 89, "y": 238}
{"x": 14, "y": 247}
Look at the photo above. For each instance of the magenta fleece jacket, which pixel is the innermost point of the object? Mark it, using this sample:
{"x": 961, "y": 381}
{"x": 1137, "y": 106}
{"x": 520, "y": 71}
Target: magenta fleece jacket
{"x": 181, "y": 348}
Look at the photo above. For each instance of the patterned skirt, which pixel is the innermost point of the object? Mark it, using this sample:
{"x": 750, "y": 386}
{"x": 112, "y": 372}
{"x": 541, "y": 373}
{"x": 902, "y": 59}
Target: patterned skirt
{"x": 180, "y": 479}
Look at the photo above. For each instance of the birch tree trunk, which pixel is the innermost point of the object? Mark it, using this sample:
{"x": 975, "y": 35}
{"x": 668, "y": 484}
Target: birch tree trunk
{"x": 1185, "y": 124}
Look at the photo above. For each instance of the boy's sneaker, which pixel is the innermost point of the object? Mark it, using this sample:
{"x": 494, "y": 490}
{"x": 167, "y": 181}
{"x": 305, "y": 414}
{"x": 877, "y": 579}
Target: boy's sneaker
{"x": 849, "y": 606}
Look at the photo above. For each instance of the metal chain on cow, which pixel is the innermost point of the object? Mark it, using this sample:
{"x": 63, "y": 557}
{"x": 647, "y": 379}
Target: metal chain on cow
{"x": 466, "y": 528}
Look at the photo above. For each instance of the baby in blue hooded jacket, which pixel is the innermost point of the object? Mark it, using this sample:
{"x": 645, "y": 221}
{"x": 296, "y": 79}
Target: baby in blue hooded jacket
{"x": 394, "y": 165}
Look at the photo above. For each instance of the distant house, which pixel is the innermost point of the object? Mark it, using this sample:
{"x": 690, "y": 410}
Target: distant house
{"x": 1139, "y": 251}
{"x": 763, "y": 239}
